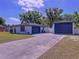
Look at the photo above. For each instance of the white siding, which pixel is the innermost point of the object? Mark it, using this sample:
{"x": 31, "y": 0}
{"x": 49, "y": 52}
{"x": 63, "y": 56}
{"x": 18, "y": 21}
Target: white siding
{"x": 47, "y": 29}
{"x": 8, "y": 29}
{"x": 18, "y": 29}
{"x": 76, "y": 31}
{"x": 41, "y": 28}
{"x": 28, "y": 30}
{"x": 73, "y": 28}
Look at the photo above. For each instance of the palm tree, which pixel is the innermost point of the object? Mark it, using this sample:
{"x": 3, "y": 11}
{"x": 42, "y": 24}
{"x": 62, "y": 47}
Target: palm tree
{"x": 53, "y": 14}
{"x": 24, "y": 17}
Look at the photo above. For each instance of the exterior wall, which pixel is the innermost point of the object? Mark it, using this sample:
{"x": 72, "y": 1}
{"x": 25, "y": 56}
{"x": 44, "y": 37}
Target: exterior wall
{"x": 53, "y": 31}
{"x": 8, "y": 29}
{"x": 41, "y": 28}
{"x": 76, "y": 31}
{"x": 28, "y": 30}
{"x": 48, "y": 30}
{"x": 45, "y": 29}
{"x": 13, "y": 29}
{"x": 73, "y": 28}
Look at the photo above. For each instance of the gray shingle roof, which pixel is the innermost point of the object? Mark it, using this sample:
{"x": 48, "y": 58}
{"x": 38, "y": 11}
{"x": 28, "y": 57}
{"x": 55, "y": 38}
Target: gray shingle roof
{"x": 29, "y": 24}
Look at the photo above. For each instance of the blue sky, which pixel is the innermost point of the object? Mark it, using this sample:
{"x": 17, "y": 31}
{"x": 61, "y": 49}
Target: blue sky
{"x": 10, "y": 9}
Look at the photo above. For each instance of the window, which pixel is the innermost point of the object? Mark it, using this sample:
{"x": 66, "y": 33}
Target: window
{"x": 22, "y": 28}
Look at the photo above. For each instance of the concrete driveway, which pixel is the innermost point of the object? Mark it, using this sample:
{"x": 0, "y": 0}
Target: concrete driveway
{"x": 30, "y": 48}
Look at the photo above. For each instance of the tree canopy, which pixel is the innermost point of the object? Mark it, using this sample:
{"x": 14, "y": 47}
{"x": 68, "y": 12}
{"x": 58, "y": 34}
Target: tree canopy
{"x": 2, "y": 21}
{"x": 30, "y": 17}
{"x": 76, "y": 16}
{"x": 52, "y": 15}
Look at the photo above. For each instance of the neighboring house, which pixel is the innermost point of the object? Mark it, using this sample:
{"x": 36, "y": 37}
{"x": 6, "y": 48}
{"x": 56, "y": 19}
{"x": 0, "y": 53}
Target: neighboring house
{"x": 2, "y": 28}
{"x": 28, "y": 28}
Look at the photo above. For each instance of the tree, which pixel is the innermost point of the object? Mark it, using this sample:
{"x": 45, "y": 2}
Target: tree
{"x": 68, "y": 17}
{"x": 76, "y": 16}
{"x": 31, "y": 17}
{"x": 24, "y": 17}
{"x": 44, "y": 21}
{"x": 2, "y": 21}
{"x": 53, "y": 14}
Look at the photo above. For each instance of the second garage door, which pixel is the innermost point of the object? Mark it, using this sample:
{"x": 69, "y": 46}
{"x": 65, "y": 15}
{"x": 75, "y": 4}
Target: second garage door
{"x": 63, "y": 28}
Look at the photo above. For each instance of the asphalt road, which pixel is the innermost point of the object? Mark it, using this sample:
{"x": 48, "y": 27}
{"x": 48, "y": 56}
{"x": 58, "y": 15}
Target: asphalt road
{"x": 30, "y": 48}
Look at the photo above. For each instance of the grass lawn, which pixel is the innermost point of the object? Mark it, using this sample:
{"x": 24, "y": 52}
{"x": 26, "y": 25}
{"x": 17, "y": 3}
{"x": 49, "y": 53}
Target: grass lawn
{"x": 7, "y": 37}
{"x": 68, "y": 48}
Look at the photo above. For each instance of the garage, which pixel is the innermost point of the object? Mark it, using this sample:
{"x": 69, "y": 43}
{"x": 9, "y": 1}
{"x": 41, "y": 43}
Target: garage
{"x": 35, "y": 29}
{"x": 63, "y": 27}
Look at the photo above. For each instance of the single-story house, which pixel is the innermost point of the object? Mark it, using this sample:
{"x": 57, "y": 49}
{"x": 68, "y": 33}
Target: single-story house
{"x": 28, "y": 28}
{"x": 2, "y": 28}
{"x": 64, "y": 27}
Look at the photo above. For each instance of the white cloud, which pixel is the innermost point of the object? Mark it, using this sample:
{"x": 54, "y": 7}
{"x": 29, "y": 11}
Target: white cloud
{"x": 27, "y": 9}
{"x": 30, "y": 4}
{"x": 14, "y": 19}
